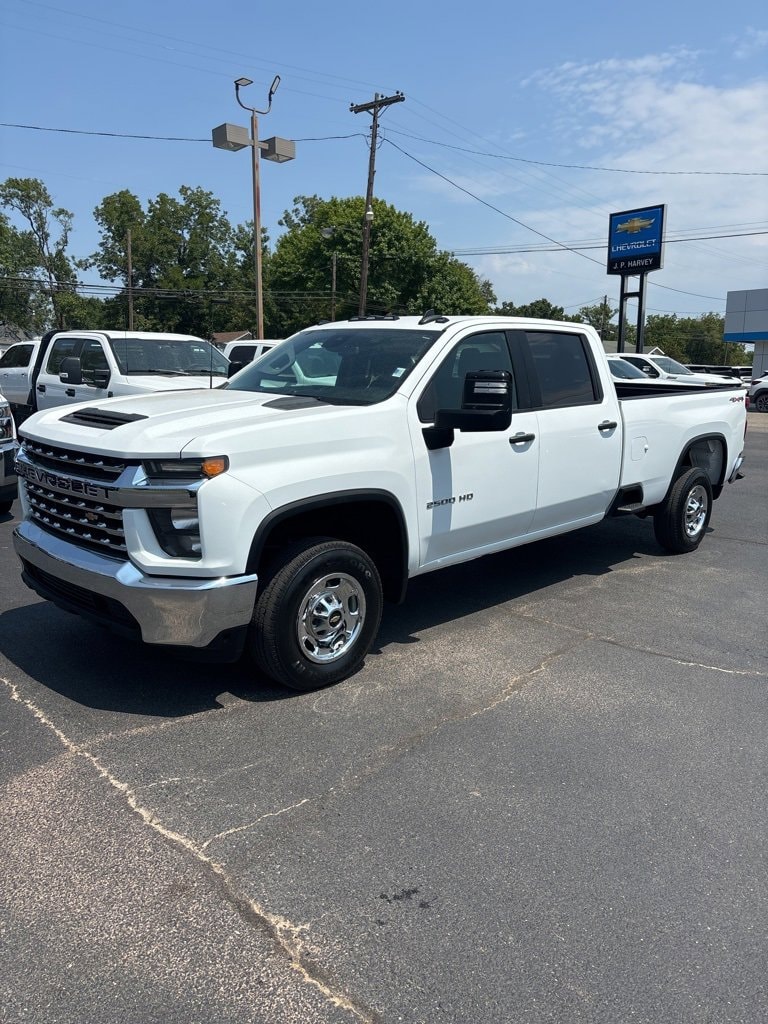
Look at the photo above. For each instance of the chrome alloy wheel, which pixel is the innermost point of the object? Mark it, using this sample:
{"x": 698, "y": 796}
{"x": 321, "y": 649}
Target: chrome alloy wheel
{"x": 696, "y": 508}
{"x": 330, "y": 617}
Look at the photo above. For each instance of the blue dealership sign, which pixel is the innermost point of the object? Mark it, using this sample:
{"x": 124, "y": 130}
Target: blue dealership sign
{"x": 636, "y": 240}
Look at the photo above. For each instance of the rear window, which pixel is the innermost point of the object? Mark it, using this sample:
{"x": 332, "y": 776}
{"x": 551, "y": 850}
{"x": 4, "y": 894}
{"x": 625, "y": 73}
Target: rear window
{"x": 564, "y": 369}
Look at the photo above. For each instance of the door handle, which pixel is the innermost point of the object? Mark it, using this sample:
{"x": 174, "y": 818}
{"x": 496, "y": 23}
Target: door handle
{"x": 607, "y": 425}
{"x": 522, "y": 438}
{"x": 41, "y": 388}
{"x": 70, "y": 392}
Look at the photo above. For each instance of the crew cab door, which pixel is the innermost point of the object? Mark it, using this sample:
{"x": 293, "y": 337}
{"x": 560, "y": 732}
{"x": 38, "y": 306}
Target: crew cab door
{"x": 52, "y": 391}
{"x": 480, "y": 491}
{"x": 579, "y": 430}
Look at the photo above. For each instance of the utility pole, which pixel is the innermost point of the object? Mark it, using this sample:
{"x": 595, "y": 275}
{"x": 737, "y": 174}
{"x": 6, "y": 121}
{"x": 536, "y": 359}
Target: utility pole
{"x": 130, "y": 281}
{"x": 377, "y": 103}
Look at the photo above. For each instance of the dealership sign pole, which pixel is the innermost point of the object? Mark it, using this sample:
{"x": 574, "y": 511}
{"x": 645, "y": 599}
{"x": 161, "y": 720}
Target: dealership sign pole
{"x": 635, "y": 247}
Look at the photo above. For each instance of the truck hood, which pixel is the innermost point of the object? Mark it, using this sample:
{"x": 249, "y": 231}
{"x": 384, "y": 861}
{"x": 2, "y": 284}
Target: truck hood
{"x": 167, "y": 424}
{"x": 136, "y": 384}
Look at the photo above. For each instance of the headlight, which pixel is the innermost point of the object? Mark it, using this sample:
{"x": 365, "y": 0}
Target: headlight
{"x": 186, "y": 469}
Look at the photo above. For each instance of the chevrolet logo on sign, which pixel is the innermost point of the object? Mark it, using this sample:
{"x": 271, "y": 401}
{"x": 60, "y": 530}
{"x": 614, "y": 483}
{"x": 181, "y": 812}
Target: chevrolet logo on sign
{"x": 635, "y": 224}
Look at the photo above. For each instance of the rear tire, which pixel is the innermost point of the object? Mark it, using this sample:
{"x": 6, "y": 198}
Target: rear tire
{"x": 318, "y": 614}
{"x": 682, "y": 518}
{"x": 761, "y": 402}
{"x": 5, "y": 506}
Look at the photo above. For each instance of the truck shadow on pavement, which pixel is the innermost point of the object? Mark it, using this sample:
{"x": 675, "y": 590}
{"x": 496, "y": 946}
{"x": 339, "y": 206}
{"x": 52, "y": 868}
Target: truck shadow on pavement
{"x": 99, "y": 669}
{"x": 519, "y": 572}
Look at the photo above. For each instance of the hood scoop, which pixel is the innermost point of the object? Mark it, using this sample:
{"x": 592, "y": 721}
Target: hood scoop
{"x": 101, "y": 419}
{"x": 292, "y": 402}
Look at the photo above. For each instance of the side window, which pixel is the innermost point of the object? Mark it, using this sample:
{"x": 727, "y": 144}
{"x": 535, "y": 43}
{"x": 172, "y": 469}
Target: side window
{"x": 487, "y": 351}
{"x": 242, "y": 353}
{"x": 60, "y": 349}
{"x": 92, "y": 358}
{"x": 563, "y": 368}
{"x": 17, "y": 355}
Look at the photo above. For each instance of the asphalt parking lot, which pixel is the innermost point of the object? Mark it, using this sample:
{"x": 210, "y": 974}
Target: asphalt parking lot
{"x": 542, "y": 800}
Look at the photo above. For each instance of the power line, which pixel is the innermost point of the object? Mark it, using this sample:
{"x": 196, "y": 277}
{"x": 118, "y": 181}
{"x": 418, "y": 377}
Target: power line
{"x": 490, "y": 206}
{"x": 159, "y": 138}
{"x": 573, "y": 167}
{"x": 513, "y": 250}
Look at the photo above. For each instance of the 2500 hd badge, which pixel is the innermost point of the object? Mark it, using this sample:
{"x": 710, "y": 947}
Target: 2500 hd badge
{"x": 449, "y": 501}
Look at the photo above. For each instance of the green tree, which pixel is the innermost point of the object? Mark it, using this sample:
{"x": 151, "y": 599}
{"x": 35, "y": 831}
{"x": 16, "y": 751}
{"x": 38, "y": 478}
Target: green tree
{"x": 540, "y": 309}
{"x": 39, "y": 251}
{"x": 185, "y": 258}
{"x": 406, "y": 272}
{"x": 600, "y": 316}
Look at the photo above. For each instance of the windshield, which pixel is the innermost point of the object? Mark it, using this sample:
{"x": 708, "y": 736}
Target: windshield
{"x": 344, "y": 366}
{"x": 178, "y": 358}
{"x": 627, "y": 371}
{"x": 671, "y": 365}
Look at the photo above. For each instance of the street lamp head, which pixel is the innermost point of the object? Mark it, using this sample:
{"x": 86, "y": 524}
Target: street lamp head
{"x": 240, "y": 82}
{"x": 369, "y": 213}
{"x": 231, "y": 137}
{"x": 328, "y": 232}
{"x": 273, "y": 87}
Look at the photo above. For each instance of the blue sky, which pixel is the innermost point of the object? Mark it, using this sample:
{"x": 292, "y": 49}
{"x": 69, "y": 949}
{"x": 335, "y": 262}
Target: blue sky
{"x": 509, "y": 111}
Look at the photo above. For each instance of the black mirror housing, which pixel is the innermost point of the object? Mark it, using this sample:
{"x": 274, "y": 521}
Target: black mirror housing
{"x": 71, "y": 371}
{"x": 487, "y": 403}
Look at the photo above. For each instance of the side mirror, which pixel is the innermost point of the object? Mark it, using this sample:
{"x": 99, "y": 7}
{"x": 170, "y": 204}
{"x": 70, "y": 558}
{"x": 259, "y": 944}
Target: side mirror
{"x": 70, "y": 371}
{"x": 234, "y": 367}
{"x": 487, "y": 403}
{"x": 486, "y": 406}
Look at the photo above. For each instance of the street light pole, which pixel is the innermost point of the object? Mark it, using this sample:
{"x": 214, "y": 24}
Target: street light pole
{"x": 255, "y": 150}
{"x": 233, "y": 137}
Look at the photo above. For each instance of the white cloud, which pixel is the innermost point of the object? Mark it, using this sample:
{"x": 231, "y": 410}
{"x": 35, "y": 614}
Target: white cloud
{"x": 753, "y": 40}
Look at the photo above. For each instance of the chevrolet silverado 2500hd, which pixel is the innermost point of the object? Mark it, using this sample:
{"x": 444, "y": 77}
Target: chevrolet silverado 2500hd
{"x": 273, "y": 515}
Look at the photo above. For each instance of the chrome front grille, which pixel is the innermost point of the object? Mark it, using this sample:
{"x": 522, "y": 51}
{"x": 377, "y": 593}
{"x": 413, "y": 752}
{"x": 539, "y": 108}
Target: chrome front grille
{"x": 67, "y": 494}
{"x": 82, "y": 464}
{"x": 82, "y": 520}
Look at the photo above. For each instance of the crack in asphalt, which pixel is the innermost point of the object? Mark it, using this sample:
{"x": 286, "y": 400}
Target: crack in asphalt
{"x": 639, "y": 648}
{"x": 287, "y": 936}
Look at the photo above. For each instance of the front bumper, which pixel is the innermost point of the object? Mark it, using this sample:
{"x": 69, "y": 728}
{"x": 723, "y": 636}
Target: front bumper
{"x": 175, "y": 611}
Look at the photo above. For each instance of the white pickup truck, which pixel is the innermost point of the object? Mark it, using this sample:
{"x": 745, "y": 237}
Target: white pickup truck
{"x": 272, "y": 516}
{"x": 66, "y": 367}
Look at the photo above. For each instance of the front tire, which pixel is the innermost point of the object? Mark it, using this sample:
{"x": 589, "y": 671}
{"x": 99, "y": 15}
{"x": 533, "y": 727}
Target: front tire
{"x": 682, "y": 518}
{"x": 318, "y": 615}
{"x": 761, "y": 402}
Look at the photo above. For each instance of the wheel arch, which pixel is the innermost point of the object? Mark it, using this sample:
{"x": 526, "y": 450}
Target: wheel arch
{"x": 371, "y": 519}
{"x": 708, "y": 452}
